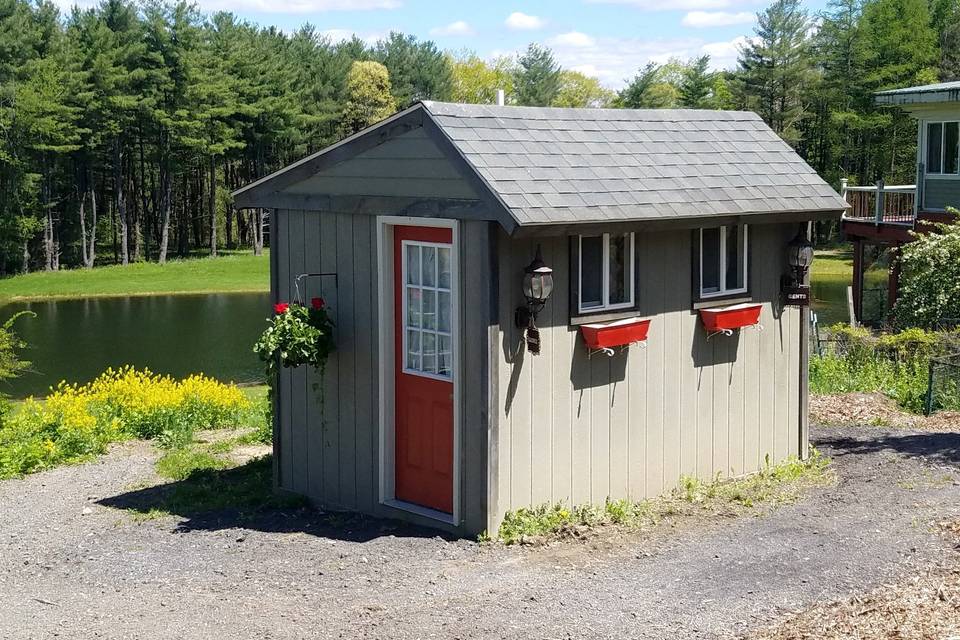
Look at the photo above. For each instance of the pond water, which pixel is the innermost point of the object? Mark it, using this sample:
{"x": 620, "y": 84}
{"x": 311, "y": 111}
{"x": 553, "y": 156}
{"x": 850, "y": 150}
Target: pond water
{"x": 75, "y": 340}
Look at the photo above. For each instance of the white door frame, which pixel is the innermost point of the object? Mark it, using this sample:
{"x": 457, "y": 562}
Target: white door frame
{"x": 387, "y": 374}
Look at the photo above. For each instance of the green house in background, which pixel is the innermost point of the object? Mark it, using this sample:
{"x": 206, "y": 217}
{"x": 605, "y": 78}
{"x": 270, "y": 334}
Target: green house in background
{"x": 536, "y": 305}
{"x": 884, "y": 215}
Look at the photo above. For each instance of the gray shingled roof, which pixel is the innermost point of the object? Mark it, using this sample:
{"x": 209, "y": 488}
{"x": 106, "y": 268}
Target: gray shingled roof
{"x": 553, "y": 165}
{"x": 926, "y": 88}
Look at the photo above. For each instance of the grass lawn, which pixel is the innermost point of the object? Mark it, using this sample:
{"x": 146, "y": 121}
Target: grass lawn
{"x": 233, "y": 272}
{"x": 832, "y": 262}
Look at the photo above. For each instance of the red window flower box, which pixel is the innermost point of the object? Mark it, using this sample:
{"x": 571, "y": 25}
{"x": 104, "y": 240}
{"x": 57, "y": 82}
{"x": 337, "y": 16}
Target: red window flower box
{"x": 727, "y": 319}
{"x": 615, "y": 334}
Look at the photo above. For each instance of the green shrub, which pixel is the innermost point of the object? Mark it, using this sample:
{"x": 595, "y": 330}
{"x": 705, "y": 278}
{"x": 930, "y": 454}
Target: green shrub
{"x": 930, "y": 278}
{"x": 895, "y": 364}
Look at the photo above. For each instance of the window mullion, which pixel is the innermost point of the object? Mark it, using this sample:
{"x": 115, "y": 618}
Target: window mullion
{"x": 605, "y": 267}
{"x": 723, "y": 259}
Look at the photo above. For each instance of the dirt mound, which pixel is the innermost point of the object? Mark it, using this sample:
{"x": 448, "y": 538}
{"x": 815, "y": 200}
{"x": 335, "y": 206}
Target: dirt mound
{"x": 878, "y": 410}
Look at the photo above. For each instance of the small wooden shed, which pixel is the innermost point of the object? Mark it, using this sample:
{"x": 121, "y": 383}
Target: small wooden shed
{"x": 667, "y": 347}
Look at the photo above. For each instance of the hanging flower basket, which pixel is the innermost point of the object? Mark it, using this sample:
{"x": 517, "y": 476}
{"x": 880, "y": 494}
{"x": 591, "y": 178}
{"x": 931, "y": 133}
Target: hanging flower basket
{"x": 297, "y": 335}
{"x": 728, "y": 319}
{"x": 615, "y": 334}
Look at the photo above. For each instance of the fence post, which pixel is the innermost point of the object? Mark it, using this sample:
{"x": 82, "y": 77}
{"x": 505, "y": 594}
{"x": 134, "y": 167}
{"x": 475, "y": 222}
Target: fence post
{"x": 928, "y": 403}
{"x": 878, "y": 201}
{"x": 843, "y": 188}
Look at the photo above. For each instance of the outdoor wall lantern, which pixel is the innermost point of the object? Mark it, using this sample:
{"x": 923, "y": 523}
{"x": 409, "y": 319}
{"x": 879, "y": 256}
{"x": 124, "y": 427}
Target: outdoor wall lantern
{"x": 537, "y": 287}
{"x": 799, "y": 257}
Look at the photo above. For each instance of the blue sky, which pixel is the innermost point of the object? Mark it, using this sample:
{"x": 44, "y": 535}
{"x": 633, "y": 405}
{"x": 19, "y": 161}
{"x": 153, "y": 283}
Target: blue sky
{"x": 609, "y": 39}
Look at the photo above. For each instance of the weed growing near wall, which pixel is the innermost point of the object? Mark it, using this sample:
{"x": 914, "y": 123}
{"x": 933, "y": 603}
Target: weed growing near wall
{"x": 75, "y": 422}
{"x": 774, "y": 484}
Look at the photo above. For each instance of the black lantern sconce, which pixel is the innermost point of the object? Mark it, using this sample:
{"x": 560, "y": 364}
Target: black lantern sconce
{"x": 799, "y": 257}
{"x": 537, "y": 287}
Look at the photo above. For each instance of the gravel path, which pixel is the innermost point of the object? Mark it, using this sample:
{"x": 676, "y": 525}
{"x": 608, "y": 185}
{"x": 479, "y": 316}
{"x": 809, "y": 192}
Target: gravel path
{"x": 72, "y": 567}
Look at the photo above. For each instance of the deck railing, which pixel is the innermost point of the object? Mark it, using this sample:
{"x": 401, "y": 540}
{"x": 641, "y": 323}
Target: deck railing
{"x": 879, "y": 203}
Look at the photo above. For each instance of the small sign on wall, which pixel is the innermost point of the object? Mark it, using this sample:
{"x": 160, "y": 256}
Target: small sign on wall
{"x": 796, "y": 296}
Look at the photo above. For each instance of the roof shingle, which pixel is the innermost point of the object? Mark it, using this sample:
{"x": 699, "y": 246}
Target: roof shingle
{"x": 622, "y": 164}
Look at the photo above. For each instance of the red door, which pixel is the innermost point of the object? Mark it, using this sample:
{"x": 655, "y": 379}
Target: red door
{"x": 424, "y": 366}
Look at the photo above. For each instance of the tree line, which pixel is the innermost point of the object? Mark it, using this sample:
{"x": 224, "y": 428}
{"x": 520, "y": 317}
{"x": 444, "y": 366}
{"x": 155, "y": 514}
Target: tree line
{"x": 126, "y": 126}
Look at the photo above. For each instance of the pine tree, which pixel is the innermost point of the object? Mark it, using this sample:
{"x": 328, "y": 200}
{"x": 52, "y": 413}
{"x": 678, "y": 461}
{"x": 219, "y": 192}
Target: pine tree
{"x": 696, "y": 84}
{"x": 536, "y": 79}
{"x": 776, "y": 68}
{"x": 649, "y": 89}
{"x": 418, "y": 70}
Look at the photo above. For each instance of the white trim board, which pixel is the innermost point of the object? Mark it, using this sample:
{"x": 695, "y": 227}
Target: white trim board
{"x": 387, "y": 368}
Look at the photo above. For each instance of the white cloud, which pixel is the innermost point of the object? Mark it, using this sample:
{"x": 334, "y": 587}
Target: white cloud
{"x": 615, "y": 61}
{"x": 339, "y": 35}
{"x": 523, "y": 22}
{"x": 723, "y": 55}
{"x": 458, "y": 28}
{"x": 680, "y": 5}
{"x": 573, "y": 39}
{"x": 705, "y": 19}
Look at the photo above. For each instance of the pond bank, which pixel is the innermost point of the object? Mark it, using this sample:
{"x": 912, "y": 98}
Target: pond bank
{"x": 229, "y": 273}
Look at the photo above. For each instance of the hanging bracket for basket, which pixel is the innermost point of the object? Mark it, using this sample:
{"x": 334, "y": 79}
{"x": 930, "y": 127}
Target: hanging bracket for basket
{"x": 296, "y": 282}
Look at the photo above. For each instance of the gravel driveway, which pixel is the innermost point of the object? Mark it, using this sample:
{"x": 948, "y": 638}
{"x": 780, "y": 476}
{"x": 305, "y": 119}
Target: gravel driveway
{"x": 70, "y": 566}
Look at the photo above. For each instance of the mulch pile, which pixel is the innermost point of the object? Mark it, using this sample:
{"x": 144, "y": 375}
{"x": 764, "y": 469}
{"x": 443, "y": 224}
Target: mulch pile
{"x": 925, "y": 606}
{"x": 876, "y": 409}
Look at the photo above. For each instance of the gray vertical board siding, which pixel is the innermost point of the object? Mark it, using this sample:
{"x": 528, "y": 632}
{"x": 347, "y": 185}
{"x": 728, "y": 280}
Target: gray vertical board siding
{"x": 629, "y": 426}
{"x": 275, "y": 418}
{"x": 280, "y": 241}
{"x": 475, "y": 321}
{"x": 310, "y": 287}
{"x": 329, "y": 419}
{"x": 328, "y": 442}
{"x": 366, "y": 381}
{"x": 941, "y": 193}
{"x": 300, "y": 395}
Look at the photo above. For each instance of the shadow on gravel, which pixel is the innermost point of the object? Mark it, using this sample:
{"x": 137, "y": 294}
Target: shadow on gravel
{"x": 935, "y": 447}
{"x": 243, "y": 497}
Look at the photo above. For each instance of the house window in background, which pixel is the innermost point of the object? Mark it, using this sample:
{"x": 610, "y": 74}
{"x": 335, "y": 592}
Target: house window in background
{"x": 723, "y": 260}
{"x": 605, "y": 272}
{"x": 943, "y": 148}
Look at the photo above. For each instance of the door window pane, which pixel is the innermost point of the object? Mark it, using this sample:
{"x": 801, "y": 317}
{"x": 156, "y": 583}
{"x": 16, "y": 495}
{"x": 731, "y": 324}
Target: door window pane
{"x": 413, "y": 349}
{"x": 951, "y": 147}
{"x": 443, "y": 262}
{"x": 444, "y": 356}
{"x": 734, "y": 257}
{"x": 934, "y": 147}
{"x": 620, "y": 276}
{"x": 413, "y": 264}
{"x": 591, "y": 271}
{"x": 413, "y": 307}
{"x": 443, "y": 311}
{"x": 710, "y": 260}
{"x": 429, "y": 309}
{"x": 429, "y": 266}
{"x": 429, "y": 352}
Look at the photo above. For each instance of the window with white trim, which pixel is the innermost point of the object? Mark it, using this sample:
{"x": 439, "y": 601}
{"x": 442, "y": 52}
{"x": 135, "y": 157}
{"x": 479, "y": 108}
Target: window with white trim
{"x": 943, "y": 148}
{"x": 606, "y": 272}
{"x": 723, "y": 260}
{"x": 427, "y": 309}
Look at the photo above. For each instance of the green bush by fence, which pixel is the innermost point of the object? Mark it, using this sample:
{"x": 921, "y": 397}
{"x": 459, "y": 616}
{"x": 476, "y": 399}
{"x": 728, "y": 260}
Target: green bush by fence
{"x": 896, "y": 364}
